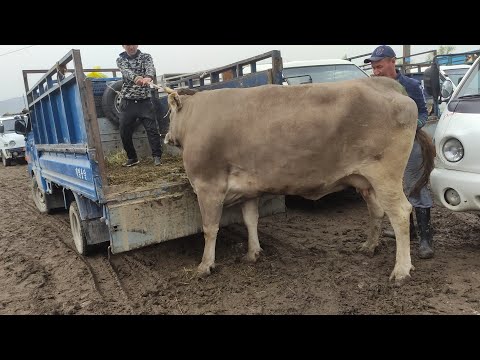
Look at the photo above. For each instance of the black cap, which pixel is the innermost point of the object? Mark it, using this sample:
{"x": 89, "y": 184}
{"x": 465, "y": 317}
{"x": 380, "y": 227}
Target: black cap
{"x": 381, "y": 52}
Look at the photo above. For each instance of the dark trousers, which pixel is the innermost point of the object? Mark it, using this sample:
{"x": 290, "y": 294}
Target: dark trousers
{"x": 130, "y": 111}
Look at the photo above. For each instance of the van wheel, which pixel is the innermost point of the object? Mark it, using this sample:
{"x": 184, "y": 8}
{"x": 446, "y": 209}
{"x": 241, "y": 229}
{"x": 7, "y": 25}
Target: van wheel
{"x": 111, "y": 101}
{"x": 39, "y": 197}
{"x": 79, "y": 230}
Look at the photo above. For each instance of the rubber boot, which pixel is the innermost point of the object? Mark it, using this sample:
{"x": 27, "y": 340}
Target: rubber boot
{"x": 425, "y": 249}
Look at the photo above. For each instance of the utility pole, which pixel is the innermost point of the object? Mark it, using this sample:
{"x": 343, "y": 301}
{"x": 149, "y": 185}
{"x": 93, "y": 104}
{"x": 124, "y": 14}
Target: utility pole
{"x": 406, "y": 57}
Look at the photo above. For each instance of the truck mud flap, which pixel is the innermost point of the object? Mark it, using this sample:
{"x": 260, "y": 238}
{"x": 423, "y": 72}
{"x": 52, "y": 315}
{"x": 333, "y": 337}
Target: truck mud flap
{"x": 140, "y": 222}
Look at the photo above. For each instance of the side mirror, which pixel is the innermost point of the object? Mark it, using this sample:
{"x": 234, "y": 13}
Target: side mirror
{"x": 447, "y": 89}
{"x": 20, "y": 127}
{"x": 2, "y": 129}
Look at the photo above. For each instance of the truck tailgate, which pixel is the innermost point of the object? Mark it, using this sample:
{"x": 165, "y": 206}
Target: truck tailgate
{"x": 170, "y": 212}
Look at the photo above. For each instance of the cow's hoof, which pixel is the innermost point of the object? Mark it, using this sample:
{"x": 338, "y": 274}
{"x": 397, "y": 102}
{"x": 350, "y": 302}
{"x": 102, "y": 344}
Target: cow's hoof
{"x": 400, "y": 281}
{"x": 400, "y": 276}
{"x": 253, "y": 256}
{"x": 204, "y": 270}
{"x": 367, "y": 249}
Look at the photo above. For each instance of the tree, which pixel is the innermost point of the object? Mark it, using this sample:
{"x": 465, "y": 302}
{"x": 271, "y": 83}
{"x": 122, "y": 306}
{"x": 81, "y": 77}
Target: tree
{"x": 442, "y": 50}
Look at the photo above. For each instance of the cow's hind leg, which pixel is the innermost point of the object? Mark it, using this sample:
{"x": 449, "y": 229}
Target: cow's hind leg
{"x": 211, "y": 206}
{"x": 250, "y": 217}
{"x": 398, "y": 209}
{"x": 376, "y": 217}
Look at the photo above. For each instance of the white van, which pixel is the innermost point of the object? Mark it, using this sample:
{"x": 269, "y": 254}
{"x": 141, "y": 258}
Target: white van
{"x": 455, "y": 181}
{"x": 12, "y": 145}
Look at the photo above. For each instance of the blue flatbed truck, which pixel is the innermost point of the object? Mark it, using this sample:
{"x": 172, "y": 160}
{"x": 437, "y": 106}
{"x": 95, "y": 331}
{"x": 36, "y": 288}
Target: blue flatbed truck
{"x": 68, "y": 138}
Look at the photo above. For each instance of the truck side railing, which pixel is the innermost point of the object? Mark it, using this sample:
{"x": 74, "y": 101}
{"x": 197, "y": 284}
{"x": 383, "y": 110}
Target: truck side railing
{"x": 404, "y": 64}
{"x": 62, "y": 124}
{"x": 208, "y": 79}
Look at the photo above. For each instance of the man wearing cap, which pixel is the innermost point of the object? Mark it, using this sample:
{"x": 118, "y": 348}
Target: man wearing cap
{"x": 138, "y": 71}
{"x": 383, "y": 64}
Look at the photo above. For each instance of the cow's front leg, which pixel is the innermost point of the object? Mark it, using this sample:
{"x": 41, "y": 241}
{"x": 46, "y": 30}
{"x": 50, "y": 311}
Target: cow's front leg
{"x": 250, "y": 217}
{"x": 211, "y": 207}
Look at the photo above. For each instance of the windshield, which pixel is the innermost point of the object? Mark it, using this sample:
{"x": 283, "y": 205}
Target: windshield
{"x": 471, "y": 86}
{"x": 9, "y": 125}
{"x": 456, "y": 75}
{"x": 322, "y": 73}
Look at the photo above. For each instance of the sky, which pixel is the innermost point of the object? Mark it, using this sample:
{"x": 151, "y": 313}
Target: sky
{"x": 167, "y": 58}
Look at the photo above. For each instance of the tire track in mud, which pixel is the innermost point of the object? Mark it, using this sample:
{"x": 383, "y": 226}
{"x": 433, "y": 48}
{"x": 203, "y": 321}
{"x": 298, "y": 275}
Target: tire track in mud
{"x": 105, "y": 275}
{"x": 109, "y": 288}
{"x": 98, "y": 266}
{"x": 309, "y": 266}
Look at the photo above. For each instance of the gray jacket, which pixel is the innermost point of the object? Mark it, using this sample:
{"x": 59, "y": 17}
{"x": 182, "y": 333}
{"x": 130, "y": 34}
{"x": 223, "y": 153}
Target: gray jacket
{"x": 140, "y": 64}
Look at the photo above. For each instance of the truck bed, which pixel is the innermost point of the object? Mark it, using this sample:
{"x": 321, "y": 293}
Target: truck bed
{"x": 145, "y": 173}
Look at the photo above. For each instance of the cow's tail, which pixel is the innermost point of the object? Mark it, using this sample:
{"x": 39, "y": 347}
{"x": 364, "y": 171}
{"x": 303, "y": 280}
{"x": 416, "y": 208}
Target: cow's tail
{"x": 428, "y": 156}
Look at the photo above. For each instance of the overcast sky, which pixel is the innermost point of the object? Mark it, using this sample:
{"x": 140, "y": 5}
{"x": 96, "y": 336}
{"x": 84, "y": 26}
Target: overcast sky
{"x": 167, "y": 58}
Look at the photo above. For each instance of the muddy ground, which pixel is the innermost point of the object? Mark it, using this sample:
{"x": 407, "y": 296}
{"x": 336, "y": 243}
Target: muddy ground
{"x": 310, "y": 265}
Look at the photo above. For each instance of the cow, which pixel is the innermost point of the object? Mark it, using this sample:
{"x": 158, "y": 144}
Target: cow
{"x": 306, "y": 140}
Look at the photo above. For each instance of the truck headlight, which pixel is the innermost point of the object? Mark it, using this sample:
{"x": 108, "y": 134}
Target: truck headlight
{"x": 453, "y": 150}
{"x": 12, "y": 143}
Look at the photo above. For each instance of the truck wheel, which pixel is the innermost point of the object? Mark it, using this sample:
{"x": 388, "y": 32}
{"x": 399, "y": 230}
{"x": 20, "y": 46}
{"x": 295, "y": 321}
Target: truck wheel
{"x": 79, "y": 230}
{"x": 6, "y": 162}
{"x": 111, "y": 101}
{"x": 39, "y": 197}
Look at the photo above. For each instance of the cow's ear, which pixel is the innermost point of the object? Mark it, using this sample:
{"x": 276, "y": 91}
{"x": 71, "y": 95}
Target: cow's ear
{"x": 174, "y": 102}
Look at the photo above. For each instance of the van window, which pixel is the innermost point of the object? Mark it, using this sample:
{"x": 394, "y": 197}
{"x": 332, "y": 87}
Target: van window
{"x": 323, "y": 73}
{"x": 455, "y": 75}
{"x": 472, "y": 85}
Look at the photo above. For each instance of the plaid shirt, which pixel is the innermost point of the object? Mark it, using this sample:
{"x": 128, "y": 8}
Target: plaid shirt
{"x": 140, "y": 64}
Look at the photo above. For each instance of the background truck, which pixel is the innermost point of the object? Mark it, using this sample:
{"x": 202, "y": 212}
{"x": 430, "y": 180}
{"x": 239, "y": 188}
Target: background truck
{"x": 70, "y": 144}
{"x": 12, "y": 145}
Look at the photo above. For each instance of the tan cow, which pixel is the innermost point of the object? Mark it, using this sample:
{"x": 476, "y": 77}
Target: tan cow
{"x": 307, "y": 140}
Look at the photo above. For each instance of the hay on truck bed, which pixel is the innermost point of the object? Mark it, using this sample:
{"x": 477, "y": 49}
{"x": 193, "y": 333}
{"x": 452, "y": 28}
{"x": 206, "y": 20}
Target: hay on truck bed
{"x": 145, "y": 173}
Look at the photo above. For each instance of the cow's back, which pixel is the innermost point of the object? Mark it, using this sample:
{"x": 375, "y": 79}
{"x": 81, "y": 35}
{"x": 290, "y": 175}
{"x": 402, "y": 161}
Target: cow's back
{"x": 306, "y": 132}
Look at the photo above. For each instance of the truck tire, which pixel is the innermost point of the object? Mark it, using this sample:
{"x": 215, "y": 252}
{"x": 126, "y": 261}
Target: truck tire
{"x": 79, "y": 229}
{"x": 111, "y": 104}
{"x": 6, "y": 162}
{"x": 39, "y": 197}
{"x": 111, "y": 101}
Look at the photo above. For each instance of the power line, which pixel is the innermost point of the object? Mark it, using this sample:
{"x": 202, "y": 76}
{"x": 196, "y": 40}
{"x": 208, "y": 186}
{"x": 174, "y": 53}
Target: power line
{"x": 11, "y": 52}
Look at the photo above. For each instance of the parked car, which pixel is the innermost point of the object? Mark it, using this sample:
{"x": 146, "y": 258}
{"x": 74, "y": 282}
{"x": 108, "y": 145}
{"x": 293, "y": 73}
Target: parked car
{"x": 321, "y": 71}
{"x": 455, "y": 179}
{"x": 12, "y": 145}
{"x": 316, "y": 71}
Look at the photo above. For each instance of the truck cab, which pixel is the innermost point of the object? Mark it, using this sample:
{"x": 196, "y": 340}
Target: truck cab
{"x": 12, "y": 145}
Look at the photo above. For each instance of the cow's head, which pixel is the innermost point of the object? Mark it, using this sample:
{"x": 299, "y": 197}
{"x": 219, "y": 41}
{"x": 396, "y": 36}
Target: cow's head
{"x": 174, "y": 106}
